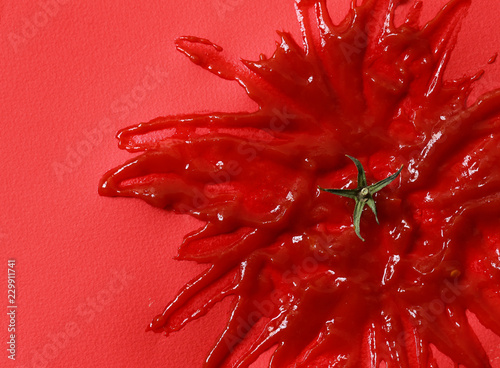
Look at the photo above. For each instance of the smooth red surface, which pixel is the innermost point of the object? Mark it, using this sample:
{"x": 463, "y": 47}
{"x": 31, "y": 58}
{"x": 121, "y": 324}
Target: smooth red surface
{"x": 56, "y": 90}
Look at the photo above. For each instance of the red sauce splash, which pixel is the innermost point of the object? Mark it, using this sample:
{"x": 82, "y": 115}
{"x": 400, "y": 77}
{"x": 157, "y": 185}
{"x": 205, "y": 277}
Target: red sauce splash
{"x": 302, "y": 282}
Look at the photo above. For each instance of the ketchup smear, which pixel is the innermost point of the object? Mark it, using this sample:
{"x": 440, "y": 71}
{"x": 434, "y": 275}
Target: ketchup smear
{"x": 301, "y": 281}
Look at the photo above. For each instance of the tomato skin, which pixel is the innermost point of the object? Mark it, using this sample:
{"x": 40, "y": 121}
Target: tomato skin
{"x": 285, "y": 250}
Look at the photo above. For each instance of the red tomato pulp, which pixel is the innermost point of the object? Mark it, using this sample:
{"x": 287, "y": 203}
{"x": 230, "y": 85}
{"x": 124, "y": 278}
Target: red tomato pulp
{"x": 287, "y": 252}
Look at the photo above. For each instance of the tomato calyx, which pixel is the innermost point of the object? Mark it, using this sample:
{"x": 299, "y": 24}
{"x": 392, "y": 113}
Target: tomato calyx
{"x": 363, "y": 194}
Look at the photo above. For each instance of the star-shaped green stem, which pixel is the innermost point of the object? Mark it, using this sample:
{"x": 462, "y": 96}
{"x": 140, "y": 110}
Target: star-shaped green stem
{"x": 363, "y": 194}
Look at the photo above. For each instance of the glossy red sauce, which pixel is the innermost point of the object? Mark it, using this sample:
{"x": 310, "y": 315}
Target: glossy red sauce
{"x": 302, "y": 282}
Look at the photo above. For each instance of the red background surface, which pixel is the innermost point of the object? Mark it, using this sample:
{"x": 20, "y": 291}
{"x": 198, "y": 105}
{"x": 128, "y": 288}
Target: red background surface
{"x": 68, "y": 82}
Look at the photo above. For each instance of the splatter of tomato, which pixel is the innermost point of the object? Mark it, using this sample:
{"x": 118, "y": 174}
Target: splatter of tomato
{"x": 307, "y": 277}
